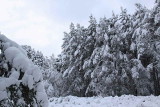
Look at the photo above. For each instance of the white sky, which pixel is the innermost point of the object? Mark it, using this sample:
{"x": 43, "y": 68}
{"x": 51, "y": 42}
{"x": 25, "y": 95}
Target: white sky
{"x": 41, "y": 23}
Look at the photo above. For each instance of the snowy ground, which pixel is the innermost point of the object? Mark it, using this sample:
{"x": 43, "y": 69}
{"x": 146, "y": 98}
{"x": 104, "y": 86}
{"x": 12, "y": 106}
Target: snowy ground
{"x": 123, "y": 101}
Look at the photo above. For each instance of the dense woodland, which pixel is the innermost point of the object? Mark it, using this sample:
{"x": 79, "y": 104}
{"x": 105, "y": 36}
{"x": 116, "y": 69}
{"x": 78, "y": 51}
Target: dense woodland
{"x": 115, "y": 56}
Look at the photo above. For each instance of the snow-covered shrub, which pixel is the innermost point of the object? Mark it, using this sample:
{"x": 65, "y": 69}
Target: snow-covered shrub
{"x": 20, "y": 80}
{"x": 54, "y": 84}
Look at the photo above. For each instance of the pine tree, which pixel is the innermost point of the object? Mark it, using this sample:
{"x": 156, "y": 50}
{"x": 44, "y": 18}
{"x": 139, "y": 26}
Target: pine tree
{"x": 20, "y": 80}
{"x": 116, "y": 56}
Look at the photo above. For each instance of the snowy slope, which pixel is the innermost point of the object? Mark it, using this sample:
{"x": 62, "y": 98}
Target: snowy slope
{"x": 123, "y": 101}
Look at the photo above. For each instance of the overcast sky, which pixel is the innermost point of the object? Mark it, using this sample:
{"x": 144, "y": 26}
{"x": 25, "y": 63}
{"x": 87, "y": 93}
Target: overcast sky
{"x": 41, "y": 23}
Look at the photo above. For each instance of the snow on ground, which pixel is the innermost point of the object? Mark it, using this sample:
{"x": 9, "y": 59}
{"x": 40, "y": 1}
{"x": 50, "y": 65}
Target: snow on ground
{"x": 123, "y": 101}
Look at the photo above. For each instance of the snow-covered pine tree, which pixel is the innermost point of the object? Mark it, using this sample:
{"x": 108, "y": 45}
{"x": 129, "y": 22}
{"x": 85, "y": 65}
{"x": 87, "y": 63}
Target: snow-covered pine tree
{"x": 116, "y": 56}
{"x": 20, "y": 80}
{"x": 36, "y": 57}
{"x": 152, "y": 52}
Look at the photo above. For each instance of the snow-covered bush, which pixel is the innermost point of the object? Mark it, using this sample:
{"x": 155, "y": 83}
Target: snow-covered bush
{"x": 20, "y": 80}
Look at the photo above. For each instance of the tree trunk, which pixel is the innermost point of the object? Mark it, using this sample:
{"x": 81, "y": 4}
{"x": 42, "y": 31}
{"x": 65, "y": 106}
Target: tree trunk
{"x": 156, "y": 82}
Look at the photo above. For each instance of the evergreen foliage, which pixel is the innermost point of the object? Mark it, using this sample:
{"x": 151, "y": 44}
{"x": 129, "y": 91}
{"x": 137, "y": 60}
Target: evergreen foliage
{"x": 119, "y": 55}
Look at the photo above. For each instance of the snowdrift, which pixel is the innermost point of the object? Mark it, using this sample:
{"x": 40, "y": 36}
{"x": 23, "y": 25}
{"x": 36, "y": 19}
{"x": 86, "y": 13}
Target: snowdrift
{"x": 123, "y": 101}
